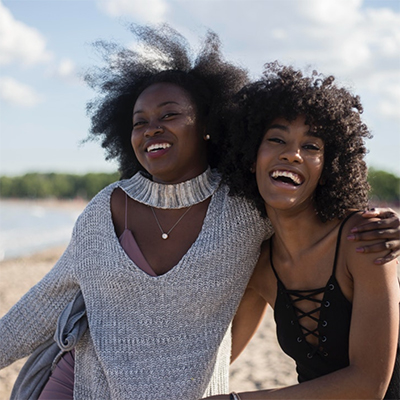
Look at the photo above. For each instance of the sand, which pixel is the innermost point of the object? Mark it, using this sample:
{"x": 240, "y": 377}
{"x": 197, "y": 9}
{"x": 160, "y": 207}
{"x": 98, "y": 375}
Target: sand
{"x": 261, "y": 365}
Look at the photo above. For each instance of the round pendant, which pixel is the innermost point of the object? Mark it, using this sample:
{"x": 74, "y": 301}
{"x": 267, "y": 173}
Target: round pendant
{"x": 164, "y": 236}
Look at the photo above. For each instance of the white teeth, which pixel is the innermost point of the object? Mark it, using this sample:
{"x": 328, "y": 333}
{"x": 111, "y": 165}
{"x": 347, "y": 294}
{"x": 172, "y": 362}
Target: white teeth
{"x": 157, "y": 146}
{"x": 291, "y": 175}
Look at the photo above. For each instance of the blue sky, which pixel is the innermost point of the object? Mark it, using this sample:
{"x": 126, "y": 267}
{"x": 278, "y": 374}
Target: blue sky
{"x": 45, "y": 46}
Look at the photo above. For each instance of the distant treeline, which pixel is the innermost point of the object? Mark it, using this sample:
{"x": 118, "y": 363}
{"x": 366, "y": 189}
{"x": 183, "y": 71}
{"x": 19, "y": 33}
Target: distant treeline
{"x": 62, "y": 186}
{"x": 385, "y": 186}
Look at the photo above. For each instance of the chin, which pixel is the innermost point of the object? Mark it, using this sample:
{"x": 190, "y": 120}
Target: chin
{"x": 279, "y": 203}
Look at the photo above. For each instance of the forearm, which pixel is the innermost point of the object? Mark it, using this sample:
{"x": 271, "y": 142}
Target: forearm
{"x": 347, "y": 383}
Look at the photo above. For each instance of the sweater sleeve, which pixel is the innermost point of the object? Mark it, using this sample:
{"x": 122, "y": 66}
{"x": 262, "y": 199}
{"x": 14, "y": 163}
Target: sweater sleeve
{"x": 32, "y": 320}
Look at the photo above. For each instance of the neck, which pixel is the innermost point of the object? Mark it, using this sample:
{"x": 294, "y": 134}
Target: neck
{"x": 297, "y": 232}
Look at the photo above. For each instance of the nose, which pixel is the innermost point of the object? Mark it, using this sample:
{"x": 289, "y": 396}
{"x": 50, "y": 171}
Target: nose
{"x": 291, "y": 154}
{"x": 153, "y": 129}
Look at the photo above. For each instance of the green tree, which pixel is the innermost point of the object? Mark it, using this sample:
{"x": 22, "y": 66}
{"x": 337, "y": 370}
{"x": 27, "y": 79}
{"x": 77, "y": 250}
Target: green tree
{"x": 37, "y": 185}
{"x": 92, "y": 183}
{"x": 33, "y": 185}
{"x": 385, "y": 187}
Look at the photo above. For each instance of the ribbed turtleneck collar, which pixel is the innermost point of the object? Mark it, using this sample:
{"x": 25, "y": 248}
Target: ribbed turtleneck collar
{"x": 180, "y": 195}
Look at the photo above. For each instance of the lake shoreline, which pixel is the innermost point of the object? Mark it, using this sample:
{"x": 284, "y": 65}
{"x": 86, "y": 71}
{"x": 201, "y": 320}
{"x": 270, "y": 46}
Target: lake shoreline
{"x": 74, "y": 204}
{"x": 28, "y": 226}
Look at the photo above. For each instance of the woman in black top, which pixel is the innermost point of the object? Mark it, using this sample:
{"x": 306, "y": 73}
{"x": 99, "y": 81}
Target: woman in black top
{"x": 297, "y": 151}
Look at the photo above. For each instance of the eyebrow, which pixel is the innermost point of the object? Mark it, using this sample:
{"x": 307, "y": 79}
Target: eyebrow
{"x": 278, "y": 126}
{"x": 159, "y": 106}
{"x": 286, "y": 129}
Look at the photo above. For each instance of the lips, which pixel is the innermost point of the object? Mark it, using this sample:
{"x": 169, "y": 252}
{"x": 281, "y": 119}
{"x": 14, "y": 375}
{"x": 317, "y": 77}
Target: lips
{"x": 287, "y": 177}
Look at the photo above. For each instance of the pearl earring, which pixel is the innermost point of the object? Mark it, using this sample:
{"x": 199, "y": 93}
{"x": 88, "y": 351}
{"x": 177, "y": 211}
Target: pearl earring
{"x": 207, "y": 137}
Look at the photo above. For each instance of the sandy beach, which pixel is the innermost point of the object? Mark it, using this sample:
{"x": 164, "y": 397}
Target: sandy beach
{"x": 261, "y": 365}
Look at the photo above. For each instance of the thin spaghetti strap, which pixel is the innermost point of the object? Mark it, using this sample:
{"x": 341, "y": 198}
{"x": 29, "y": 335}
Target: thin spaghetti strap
{"x": 126, "y": 211}
{"x": 338, "y": 240}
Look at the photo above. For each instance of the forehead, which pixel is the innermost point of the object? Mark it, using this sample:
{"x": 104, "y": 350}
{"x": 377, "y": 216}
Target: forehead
{"x": 161, "y": 93}
{"x": 298, "y": 125}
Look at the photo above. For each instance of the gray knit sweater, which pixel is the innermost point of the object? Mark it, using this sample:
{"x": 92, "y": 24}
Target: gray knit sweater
{"x": 165, "y": 337}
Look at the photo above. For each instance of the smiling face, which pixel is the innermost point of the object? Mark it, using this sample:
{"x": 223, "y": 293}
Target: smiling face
{"x": 167, "y": 135}
{"x": 289, "y": 165}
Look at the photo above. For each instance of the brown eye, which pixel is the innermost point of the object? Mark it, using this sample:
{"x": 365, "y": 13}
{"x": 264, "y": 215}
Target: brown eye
{"x": 276, "y": 140}
{"x": 138, "y": 124}
{"x": 311, "y": 147}
{"x": 168, "y": 115}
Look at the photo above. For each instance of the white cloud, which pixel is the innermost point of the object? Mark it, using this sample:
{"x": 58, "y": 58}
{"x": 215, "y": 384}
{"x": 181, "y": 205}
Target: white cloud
{"x": 359, "y": 45}
{"x": 16, "y": 93}
{"x": 66, "y": 70}
{"x": 279, "y": 34}
{"x": 148, "y": 10}
{"x": 384, "y": 90}
{"x": 389, "y": 109}
{"x": 342, "y": 35}
{"x": 20, "y": 43}
{"x": 338, "y": 34}
{"x": 330, "y": 13}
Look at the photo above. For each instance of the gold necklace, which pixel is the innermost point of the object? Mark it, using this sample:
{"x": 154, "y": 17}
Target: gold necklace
{"x": 165, "y": 235}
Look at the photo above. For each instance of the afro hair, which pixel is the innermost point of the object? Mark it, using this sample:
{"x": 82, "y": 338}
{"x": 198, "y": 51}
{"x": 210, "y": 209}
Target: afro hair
{"x": 162, "y": 55}
{"x": 333, "y": 114}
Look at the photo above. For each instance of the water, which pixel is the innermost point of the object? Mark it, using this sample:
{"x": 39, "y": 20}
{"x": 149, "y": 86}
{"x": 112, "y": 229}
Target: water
{"x": 29, "y": 226}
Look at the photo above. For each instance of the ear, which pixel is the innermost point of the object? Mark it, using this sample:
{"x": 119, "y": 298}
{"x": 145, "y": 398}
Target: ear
{"x": 253, "y": 168}
{"x": 322, "y": 180}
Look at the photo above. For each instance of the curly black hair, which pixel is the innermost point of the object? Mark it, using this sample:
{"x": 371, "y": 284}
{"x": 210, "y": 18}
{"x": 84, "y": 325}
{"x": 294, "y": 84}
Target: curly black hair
{"x": 333, "y": 114}
{"x": 208, "y": 78}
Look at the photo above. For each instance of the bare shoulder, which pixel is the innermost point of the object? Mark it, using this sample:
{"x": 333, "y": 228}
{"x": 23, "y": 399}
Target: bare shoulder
{"x": 354, "y": 220}
{"x": 358, "y": 220}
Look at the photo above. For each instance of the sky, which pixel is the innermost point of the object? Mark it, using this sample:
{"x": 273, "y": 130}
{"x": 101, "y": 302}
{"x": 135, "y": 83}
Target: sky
{"x": 46, "y": 46}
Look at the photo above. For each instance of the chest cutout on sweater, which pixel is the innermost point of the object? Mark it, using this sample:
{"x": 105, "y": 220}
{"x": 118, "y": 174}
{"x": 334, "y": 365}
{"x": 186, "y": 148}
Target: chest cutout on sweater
{"x": 161, "y": 254}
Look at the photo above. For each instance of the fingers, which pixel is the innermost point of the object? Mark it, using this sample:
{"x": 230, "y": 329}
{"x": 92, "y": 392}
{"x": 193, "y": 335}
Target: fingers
{"x": 392, "y": 245}
{"x": 382, "y": 224}
{"x": 386, "y": 228}
{"x": 389, "y": 257}
{"x": 380, "y": 212}
{"x": 381, "y": 234}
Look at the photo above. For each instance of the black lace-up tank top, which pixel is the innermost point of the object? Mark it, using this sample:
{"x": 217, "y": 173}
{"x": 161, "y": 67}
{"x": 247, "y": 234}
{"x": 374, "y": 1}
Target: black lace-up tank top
{"x": 332, "y": 314}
